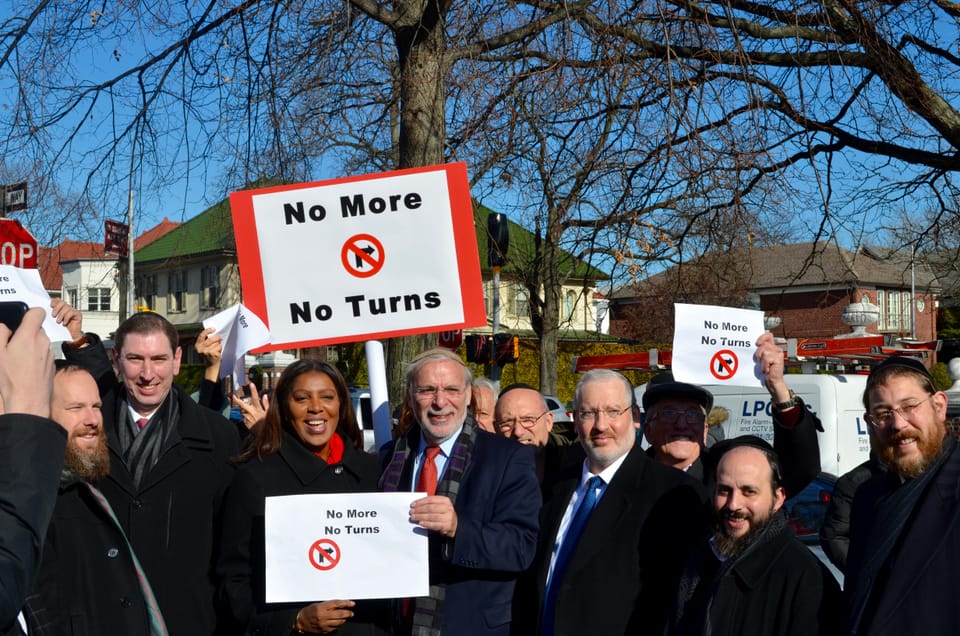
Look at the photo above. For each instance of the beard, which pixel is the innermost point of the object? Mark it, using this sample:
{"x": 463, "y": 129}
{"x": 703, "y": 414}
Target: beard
{"x": 89, "y": 465}
{"x": 929, "y": 446}
{"x": 730, "y": 546}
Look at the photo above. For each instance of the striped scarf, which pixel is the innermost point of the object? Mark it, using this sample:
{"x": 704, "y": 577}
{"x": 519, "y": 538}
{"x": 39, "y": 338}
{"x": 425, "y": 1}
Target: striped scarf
{"x": 428, "y": 613}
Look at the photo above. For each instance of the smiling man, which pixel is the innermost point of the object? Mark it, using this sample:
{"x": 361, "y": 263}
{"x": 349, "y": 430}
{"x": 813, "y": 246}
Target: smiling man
{"x": 169, "y": 462}
{"x": 89, "y": 580}
{"x": 617, "y": 526}
{"x": 753, "y": 576}
{"x": 480, "y": 508}
{"x": 905, "y": 523}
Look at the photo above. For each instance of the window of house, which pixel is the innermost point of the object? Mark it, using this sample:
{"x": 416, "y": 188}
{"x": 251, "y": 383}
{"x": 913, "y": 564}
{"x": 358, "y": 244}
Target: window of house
{"x": 521, "y": 302}
{"x": 894, "y": 310}
{"x": 176, "y": 290}
{"x": 73, "y": 296}
{"x": 210, "y": 287}
{"x": 98, "y": 299}
{"x": 569, "y": 303}
{"x": 147, "y": 291}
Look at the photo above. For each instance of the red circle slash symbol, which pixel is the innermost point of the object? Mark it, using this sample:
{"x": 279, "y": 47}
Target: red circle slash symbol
{"x": 362, "y": 255}
{"x": 723, "y": 364}
{"x": 324, "y": 554}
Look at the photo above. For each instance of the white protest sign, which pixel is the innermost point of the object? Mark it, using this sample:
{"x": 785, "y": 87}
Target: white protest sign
{"x": 25, "y": 285}
{"x": 360, "y": 258}
{"x": 241, "y": 330}
{"x": 715, "y": 345}
{"x": 350, "y": 546}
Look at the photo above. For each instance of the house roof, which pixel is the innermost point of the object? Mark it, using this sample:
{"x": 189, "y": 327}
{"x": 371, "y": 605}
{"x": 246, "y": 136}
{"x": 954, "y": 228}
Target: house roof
{"x": 50, "y": 258}
{"x": 211, "y": 232}
{"x": 151, "y": 235}
{"x": 811, "y": 264}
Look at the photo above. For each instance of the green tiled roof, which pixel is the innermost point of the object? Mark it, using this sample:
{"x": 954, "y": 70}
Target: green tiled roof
{"x": 210, "y": 232}
{"x": 521, "y": 250}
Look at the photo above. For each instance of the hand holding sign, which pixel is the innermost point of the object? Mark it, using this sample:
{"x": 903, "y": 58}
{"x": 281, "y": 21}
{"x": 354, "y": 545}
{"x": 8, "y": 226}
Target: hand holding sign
{"x": 435, "y": 513}
{"x": 770, "y": 362}
{"x": 323, "y": 618}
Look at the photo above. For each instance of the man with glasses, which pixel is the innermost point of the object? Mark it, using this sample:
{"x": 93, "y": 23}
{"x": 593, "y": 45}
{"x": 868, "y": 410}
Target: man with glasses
{"x": 675, "y": 424}
{"x": 905, "y": 524}
{"x": 480, "y": 507}
{"x": 616, "y": 527}
{"x": 522, "y": 414}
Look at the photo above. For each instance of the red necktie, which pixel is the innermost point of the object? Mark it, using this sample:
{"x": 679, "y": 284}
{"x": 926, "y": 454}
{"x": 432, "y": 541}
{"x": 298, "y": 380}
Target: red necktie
{"x": 427, "y": 481}
{"x": 142, "y": 422}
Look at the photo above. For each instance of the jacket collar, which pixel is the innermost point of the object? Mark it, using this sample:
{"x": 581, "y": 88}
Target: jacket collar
{"x": 307, "y": 466}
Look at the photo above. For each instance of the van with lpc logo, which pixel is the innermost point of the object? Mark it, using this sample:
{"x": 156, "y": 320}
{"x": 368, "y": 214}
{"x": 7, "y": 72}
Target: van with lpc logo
{"x": 835, "y": 399}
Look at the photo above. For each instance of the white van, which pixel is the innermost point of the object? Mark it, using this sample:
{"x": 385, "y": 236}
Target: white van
{"x": 835, "y": 399}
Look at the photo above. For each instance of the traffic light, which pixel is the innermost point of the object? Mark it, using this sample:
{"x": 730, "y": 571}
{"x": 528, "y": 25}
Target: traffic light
{"x": 478, "y": 348}
{"x": 498, "y": 239}
{"x": 507, "y": 347}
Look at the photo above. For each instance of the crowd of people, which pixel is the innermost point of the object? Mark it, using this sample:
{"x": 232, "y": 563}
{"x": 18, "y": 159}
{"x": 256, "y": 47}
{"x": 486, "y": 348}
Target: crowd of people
{"x": 130, "y": 508}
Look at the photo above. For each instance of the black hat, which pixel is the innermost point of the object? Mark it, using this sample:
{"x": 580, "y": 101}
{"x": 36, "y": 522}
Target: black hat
{"x": 901, "y": 361}
{"x": 658, "y": 390}
{"x": 718, "y": 450}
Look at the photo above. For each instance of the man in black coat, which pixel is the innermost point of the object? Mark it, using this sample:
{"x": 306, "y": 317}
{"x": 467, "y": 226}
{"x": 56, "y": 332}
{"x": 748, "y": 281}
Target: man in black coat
{"x": 613, "y": 570}
{"x": 89, "y": 580}
{"x": 31, "y": 456}
{"x": 753, "y": 576}
{"x": 676, "y": 414}
{"x": 905, "y": 525}
{"x": 169, "y": 464}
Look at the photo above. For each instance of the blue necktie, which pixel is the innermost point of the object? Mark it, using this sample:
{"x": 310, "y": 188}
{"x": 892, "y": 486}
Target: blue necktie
{"x": 577, "y": 524}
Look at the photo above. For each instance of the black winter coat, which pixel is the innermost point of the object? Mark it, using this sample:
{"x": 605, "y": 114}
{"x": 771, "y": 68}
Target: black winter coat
{"x": 294, "y": 470}
{"x": 173, "y": 519}
{"x": 87, "y": 582}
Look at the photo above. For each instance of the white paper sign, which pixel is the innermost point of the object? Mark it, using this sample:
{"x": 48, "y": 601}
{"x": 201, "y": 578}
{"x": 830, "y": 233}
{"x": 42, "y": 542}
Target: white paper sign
{"x": 715, "y": 345}
{"x": 349, "y": 546}
{"x": 241, "y": 330}
{"x": 25, "y": 285}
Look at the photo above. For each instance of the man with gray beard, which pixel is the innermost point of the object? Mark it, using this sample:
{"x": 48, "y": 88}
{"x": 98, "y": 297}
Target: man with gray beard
{"x": 753, "y": 576}
{"x": 89, "y": 580}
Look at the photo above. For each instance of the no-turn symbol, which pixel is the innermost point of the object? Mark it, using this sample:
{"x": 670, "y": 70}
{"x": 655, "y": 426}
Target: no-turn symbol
{"x": 324, "y": 554}
{"x": 723, "y": 364}
{"x": 362, "y": 255}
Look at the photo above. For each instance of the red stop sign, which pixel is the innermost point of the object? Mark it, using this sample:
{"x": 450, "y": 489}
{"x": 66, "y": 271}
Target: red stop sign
{"x": 17, "y": 245}
{"x": 450, "y": 339}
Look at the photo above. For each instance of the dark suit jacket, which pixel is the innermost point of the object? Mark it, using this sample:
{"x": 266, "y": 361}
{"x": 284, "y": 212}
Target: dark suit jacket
{"x": 625, "y": 569}
{"x": 915, "y": 596}
{"x": 31, "y": 457}
{"x": 497, "y": 509}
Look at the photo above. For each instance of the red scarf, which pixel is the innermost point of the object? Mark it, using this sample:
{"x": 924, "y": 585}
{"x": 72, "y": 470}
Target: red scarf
{"x": 334, "y": 450}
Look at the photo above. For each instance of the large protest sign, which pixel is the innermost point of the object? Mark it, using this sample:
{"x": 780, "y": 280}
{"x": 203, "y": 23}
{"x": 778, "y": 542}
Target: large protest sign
{"x": 359, "y": 258}
{"x": 350, "y": 546}
{"x": 715, "y": 345}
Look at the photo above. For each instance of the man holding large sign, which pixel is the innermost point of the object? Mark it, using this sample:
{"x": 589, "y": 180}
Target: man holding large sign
{"x": 481, "y": 507}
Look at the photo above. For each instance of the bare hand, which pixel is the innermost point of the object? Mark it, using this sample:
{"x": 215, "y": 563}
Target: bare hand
{"x": 325, "y": 617}
{"x": 435, "y": 513}
{"x": 769, "y": 358}
{"x": 256, "y": 410}
{"x": 68, "y": 316}
{"x": 210, "y": 348}
{"x": 26, "y": 366}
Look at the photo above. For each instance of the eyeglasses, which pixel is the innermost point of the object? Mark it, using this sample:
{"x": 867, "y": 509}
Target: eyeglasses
{"x": 592, "y": 415}
{"x": 431, "y": 392}
{"x": 527, "y": 421}
{"x": 884, "y": 417}
{"x": 692, "y": 416}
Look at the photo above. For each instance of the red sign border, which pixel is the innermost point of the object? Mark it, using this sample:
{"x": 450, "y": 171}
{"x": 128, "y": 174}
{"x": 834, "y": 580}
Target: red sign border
{"x": 250, "y": 260}
{"x": 736, "y": 365}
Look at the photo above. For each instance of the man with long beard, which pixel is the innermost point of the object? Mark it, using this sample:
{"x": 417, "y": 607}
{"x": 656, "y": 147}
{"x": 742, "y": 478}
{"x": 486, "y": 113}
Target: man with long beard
{"x": 905, "y": 523}
{"x": 89, "y": 580}
{"x": 753, "y": 576}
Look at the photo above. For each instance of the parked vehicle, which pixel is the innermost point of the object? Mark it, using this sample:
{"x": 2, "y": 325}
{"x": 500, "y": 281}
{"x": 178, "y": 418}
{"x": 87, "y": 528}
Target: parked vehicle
{"x": 361, "y": 405}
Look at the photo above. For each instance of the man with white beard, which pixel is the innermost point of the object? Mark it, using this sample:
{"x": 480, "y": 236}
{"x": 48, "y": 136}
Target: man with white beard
{"x": 89, "y": 580}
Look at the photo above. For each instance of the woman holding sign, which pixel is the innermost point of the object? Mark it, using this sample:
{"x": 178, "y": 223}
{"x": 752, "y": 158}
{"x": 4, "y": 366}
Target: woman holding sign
{"x": 307, "y": 443}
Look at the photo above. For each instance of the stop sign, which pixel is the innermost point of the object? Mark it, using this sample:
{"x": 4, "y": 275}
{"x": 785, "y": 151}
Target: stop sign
{"x": 450, "y": 339}
{"x": 17, "y": 245}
